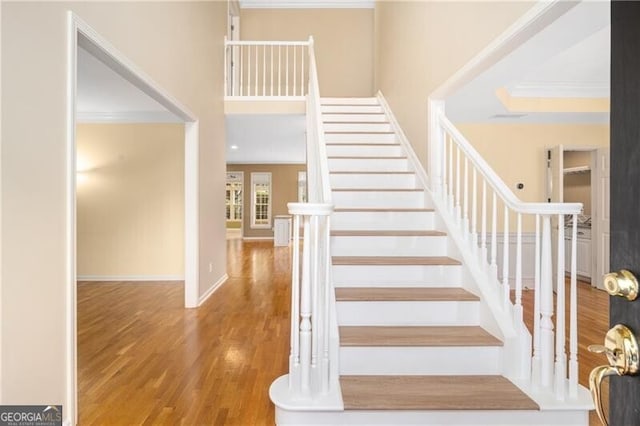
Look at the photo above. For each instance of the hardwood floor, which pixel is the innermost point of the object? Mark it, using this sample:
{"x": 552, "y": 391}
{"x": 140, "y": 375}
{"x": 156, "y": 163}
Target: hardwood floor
{"x": 144, "y": 359}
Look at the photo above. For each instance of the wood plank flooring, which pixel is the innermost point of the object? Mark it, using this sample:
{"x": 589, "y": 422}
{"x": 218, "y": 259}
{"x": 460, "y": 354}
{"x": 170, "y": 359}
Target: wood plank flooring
{"x": 144, "y": 359}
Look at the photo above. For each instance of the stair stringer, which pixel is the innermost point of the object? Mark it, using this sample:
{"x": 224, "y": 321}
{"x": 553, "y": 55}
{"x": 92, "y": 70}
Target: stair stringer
{"x": 496, "y": 316}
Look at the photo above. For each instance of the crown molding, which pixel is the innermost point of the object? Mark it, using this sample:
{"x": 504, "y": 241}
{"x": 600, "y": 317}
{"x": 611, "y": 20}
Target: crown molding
{"x": 307, "y": 4}
{"x": 127, "y": 117}
{"x": 559, "y": 89}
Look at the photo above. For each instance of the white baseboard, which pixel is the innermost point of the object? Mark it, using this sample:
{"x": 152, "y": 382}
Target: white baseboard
{"x": 130, "y": 278}
{"x": 212, "y": 289}
{"x": 257, "y": 238}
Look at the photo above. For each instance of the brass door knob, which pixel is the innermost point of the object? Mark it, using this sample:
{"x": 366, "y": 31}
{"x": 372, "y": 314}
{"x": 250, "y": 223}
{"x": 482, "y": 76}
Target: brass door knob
{"x": 621, "y": 348}
{"x": 622, "y": 283}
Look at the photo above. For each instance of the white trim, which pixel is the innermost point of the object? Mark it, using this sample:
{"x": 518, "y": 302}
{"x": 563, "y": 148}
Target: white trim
{"x": 260, "y": 178}
{"x": 191, "y": 215}
{"x": 533, "y": 21}
{"x": 127, "y": 117}
{"x": 256, "y": 238}
{"x": 307, "y": 4}
{"x": 298, "y": 163}
{"x": 79, "y": 33}
{"x": 71, "y": 363}
{"x": 97, "y": 278}
{"x": 559, "y": 89}
{"x": 212, "y": 289}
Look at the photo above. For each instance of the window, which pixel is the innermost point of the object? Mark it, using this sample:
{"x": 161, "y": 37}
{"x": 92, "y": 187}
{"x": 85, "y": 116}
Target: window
{"x": 234, "y": 196}
{"x": 261, "y": 200}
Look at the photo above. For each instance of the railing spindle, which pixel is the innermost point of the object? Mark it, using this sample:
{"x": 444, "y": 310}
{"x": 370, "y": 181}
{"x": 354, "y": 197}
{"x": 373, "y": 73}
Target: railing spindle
{"x": 305, "y": 311}
{"x": 295, "y": 73}
{"x": 505, "y": 259}
{"x": 241, "y": 68}
{"x": 518, "y": 302}
{"x": 286, "y": 84}
{"x": 256, "y": 72}
{"x": 451, "y": 183}
{"x": 573, "y": 316}
{"x": 535, "y": 363}
{"x": 458, "y": 210}
{"x": 546, "y": 306}
{"x": 294, "y": 356}
{"x": 474, "y": 211}
{"x": 494, "y": 237}
{"x": 465, "y": 213}
{"x": 561, "y": 357}
{"x": 264, "y": 70}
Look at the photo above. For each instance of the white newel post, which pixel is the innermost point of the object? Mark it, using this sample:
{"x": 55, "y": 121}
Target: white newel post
{"x": 309, "y": 363}
{"x": 436, "y": 146}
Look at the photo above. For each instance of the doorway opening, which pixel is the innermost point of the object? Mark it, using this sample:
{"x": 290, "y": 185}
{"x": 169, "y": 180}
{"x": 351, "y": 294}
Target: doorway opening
{"x": 81, "y": 35}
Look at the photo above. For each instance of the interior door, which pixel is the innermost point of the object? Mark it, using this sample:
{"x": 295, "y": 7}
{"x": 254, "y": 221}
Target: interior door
{"x": 624, "y": 406}
{"x": 555, "y": 194}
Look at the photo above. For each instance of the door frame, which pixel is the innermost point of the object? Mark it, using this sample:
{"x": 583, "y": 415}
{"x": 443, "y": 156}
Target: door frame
{"x": 79, "y": 33}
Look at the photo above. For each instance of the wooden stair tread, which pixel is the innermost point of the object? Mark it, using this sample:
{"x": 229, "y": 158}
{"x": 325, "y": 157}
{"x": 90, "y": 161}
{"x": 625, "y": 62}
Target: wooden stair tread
{"x": 404, "y": 294}
{"x": 433, "y": 393}
{"x": 394, "y": 260}
{"x": 381, "y": 210}
{"x": 389, "y": 233}
{"x": 416, "y": 336}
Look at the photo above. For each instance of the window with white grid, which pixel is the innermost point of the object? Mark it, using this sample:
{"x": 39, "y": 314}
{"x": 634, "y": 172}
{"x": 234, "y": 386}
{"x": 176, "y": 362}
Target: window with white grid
{"x": 261, "y": 200}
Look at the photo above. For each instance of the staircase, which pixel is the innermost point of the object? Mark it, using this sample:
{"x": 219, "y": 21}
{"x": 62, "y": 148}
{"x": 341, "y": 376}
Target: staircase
{"x": 417, "y": 342}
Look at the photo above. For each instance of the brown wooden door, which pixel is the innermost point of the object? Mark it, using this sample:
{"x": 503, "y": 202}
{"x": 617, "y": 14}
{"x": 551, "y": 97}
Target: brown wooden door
{"x": 624, "y": 407}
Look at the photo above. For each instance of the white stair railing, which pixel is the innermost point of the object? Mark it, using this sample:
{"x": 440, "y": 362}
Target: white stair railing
{"x": 476, "y": 198}
{"x": 266, "y": 69}
{"x": 313, "y": 366}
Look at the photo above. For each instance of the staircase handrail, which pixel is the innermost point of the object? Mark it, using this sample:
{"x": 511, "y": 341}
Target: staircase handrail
{"x": 466, "y": 188}
{"x": 498, "y": 184}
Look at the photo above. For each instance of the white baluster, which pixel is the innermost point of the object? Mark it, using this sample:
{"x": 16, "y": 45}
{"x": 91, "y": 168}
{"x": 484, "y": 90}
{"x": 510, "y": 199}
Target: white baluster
{"x": 445, "y": 181}
{"x": 518, "y": 304}
{"x": 457, "y": 200}
{"x": 305, "y": 312}
{"x": 494, "y": 238}
{"x": 295, "y": 74}
{"x": 256, "y": 72}
{"x": 483, "y": 235}
{"x": 294, "y": 355}
{"x": 451, "y": 183}
{"x": 535, "y": 364}
{"x": 573, "y": 316}
{"x": 226, "y": 66}
{"x": 474, "y": 211}
{"x": 264, "y": 70}
{"x": 465, "y": 219}
{"x": 315, "y": 290}
{"x": 546, "y": 306}
{"x": 241, "y": 68}
{"x": 505, "y": 260}
{"x": 272, "y": 60}
{"x": 303, "y": 55}
{"x": 561, "y": 356}
{"x": 327, "y": 296}
{"x": 286, "y": 86}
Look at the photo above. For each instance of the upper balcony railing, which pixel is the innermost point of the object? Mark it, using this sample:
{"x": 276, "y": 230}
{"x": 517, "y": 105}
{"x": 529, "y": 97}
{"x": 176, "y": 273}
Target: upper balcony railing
{"x": 266, "y": 69}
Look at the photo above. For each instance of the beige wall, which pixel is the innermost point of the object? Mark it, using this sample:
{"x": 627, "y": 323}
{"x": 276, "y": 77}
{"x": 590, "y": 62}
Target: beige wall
{"x": 516, "y": 152}
{"x": 284, "y": 185}
{"x": 420, "y": 44}
{"x": 130, "y": 200}
{"x": 179, "y": 45}
{"x": 344, "y": 42}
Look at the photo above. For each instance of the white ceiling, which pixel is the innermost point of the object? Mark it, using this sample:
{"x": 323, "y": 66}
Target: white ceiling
{"x": 105, "y": 96}
{"x": 569, "y": 58}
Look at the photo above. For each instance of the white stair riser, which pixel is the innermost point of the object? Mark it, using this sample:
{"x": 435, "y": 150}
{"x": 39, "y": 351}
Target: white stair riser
{"x": 346, "y": 118}
{"x": 357, "y": 127}
{"x": 393, "y": 275}
{"x": 425, "y": 313}
{"x": 368, "y": 165}
{"x": 383, "y": 220}
{"x": 569, "y": 417}
{"x": 400, "y": 199}
{"x": 420, "y": 360}
{"x": 349, "y": 101}
{"x": 379, "y": 150}
{"x": 360, "y": 137}
{"x": 337, "y": 109}
{"x": 389, "y": 246}
{"x": 373, "y": 180}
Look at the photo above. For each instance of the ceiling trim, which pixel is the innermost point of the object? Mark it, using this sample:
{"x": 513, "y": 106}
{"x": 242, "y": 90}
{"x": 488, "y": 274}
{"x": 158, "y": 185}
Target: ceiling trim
{"x": 307, "y": 4}
{"x": 552, "y": 104}
{"x": 559, "y": 89}
{"x": 127, "y": 117}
